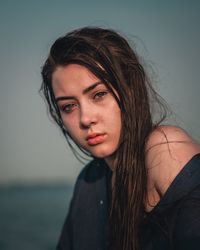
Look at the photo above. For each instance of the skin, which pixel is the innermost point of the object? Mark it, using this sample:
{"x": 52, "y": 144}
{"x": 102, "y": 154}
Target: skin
{"x": 89, "y": 111}
{"x": 92, "y": 117}
{"x": 168, "y": 150}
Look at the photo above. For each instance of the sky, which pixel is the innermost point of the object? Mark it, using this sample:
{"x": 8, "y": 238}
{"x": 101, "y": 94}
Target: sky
{"x": 165, "y": 33}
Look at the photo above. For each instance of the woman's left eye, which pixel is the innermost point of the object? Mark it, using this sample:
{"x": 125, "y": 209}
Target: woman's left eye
{"x": 100, "y": 94}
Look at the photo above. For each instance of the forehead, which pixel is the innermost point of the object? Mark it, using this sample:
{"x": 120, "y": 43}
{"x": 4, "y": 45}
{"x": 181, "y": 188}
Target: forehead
{"x": 72, "y": 76}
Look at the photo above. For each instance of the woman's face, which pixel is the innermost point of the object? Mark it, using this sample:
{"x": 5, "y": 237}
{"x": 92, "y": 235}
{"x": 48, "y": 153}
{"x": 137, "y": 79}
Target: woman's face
{"x": 88, "y": 110}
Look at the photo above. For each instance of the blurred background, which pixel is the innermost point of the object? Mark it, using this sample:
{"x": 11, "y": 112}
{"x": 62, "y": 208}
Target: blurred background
{"x": 37, "y": 169}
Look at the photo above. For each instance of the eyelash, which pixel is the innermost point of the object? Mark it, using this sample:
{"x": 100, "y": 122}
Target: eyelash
{"x": 68, "y": 108}
{"x": 100, "y": 95}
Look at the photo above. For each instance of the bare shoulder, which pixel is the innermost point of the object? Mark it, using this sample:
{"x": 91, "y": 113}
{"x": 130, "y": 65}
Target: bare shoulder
{"x": 168, "y": 149}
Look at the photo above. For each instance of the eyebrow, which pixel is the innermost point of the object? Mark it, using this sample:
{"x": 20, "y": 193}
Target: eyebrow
{"x": 85, "y": 91}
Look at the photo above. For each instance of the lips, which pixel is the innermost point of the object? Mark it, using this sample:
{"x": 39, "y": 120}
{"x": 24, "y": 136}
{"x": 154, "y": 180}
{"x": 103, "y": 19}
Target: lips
{"x": 95, "y": 139}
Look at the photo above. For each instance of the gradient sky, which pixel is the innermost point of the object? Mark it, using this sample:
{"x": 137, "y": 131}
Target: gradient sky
{"x": 166, "y": 34}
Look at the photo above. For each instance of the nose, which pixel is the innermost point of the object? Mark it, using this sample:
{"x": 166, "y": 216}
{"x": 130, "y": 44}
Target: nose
{"x": 88, "y": 116}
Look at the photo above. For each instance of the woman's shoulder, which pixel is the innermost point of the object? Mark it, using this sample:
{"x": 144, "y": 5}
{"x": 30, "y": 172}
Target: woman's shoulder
{"x": 168, "y": 149}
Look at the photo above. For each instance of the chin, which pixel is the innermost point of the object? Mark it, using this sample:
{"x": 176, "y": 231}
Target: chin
{"x": 103, "y": 153}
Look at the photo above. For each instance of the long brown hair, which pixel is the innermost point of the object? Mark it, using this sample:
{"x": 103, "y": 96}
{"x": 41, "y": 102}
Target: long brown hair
{"x": 110, "y": 58}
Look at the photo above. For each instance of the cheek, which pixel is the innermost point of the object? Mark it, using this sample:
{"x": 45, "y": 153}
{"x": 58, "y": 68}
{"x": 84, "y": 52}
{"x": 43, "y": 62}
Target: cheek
{"x": 116, "y": 118}
{"x": 118, "y": 126}
{"x": 72, "y": 131}
{"x": 75, "y": 134}
{"x": 70, "y": 126}
{"x": 114, "y": 122}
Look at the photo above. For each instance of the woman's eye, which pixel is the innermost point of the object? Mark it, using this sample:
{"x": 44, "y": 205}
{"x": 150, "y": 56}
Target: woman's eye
{"x": 67, "y": 108}
{"x": 100, "y": 94}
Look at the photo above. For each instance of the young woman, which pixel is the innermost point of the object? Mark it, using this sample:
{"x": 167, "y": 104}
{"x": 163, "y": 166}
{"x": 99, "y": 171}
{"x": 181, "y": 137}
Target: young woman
{"x": 142, "y": 188}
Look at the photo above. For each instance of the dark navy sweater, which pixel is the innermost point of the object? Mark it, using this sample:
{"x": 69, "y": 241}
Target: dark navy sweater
{"x": 174, "y": 224}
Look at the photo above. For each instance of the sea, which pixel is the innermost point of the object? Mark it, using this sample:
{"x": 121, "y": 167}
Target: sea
{"x": 32, "y": 216}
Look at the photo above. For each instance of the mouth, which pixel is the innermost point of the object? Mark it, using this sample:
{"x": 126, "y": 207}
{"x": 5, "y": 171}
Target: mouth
{"x": 95, "y": 139}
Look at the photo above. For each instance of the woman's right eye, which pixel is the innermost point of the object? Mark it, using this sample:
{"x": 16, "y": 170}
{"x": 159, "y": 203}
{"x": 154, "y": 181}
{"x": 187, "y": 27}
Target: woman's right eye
{"x": 68, "y": 108}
